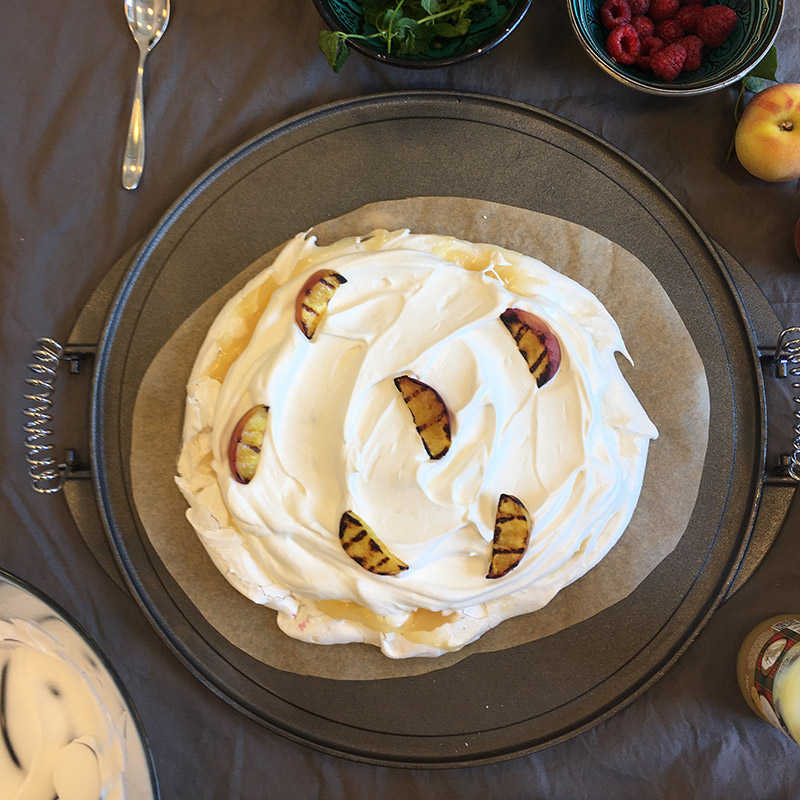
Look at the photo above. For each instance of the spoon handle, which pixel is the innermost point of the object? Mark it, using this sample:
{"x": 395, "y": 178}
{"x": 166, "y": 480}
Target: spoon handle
{"x": 133, "y": 161}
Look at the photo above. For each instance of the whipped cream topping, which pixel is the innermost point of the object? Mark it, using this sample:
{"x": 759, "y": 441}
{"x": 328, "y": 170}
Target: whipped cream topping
{"x": 340, "y": 438}
{"x": 64, "y": 729}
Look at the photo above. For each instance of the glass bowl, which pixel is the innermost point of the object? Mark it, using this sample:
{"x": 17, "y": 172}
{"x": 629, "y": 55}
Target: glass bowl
{"x": 68, "y": 727}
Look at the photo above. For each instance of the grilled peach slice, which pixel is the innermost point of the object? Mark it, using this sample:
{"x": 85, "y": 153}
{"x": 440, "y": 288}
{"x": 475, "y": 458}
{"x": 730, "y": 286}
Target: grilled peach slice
{"x": 361, "y": 544}
{"x": 536, "y": 342}
{"x": 512, "y": 528}
{"x": 312, "y": 300}
{"x": 429, "y": 413}
{"x": 244, "y": 449}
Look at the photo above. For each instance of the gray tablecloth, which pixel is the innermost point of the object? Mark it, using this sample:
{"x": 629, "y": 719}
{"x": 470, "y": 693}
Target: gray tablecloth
{"x": 224, "y": 72}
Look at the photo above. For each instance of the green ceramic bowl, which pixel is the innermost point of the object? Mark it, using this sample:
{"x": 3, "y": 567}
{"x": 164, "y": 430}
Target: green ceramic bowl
{"x": 759, "y": 21}
{"x": 491, "y": 24}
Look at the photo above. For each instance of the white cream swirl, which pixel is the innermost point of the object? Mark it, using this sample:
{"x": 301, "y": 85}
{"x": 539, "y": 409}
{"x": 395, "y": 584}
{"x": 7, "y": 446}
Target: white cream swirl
{"x": 62, "y": 725}
{"x": 341, "y": 438}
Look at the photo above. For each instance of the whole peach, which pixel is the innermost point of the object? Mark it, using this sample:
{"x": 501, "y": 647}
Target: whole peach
{"x": 768, "y": 134}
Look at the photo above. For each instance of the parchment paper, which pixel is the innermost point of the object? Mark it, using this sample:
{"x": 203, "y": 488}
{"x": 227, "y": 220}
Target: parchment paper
{"x": 668, "y": 378}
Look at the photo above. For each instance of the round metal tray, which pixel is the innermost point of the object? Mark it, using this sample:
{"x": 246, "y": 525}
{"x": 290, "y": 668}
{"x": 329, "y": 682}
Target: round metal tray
{"x": 490, "y": 706}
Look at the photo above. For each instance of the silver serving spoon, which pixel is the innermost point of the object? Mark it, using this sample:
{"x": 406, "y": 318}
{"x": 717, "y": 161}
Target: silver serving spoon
{"x": 147, "y": 20}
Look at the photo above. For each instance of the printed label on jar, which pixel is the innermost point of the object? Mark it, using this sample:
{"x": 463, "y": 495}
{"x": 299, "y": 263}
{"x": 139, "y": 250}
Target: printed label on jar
{"x": 770, "y": 656}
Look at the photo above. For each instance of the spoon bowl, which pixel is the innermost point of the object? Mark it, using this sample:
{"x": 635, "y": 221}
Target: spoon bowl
{"x": 147, "y": 20}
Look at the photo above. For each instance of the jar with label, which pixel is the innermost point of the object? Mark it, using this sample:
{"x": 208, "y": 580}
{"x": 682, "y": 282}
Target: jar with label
{"x": 768, "y": 669}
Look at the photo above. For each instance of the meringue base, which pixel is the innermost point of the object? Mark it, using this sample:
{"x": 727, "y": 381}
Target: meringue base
{"x": 679, "y": 408}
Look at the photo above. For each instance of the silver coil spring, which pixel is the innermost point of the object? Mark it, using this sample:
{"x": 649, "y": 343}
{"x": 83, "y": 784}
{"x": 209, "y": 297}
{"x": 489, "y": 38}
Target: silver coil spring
{"x": 789, "y": 353}
{"x": 46, "y": 474}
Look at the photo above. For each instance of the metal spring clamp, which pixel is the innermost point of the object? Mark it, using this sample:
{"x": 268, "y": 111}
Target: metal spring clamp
{"x": 47, "y": 475}
{"x": 787, "y": 364}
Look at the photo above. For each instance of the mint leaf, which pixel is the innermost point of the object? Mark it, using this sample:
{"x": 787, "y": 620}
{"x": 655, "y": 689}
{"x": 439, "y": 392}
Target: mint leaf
{"x": 417, "y": 41}
{"x": 373, "y": 10}
{"x": 767, "y": 67}
{"x": 753, "y": 84}
{"x": 398, "y": 31}
{"x": 334, "y": 47}
{"x": 464, "y": 8}
{"x": 408, "y": 34}
{"x": 404, "y": 26}
{"x": 496, "y": 11}
{"x": 448, "y": 30}
{"x": 410, "y": 27}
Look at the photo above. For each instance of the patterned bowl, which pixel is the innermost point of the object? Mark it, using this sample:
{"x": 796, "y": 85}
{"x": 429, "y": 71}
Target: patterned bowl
{"x": 492, "y": 22}
{"x": 759, "y": 21}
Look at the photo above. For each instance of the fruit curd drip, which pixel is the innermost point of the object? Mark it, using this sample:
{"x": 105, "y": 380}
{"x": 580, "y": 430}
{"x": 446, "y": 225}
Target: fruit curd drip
{"x": 339, "y": 439}
{"x": 57, "y": 738}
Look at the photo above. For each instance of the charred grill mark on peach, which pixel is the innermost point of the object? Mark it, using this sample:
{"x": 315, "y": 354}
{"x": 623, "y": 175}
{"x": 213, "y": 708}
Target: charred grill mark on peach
{"x": 247, "y": 438}
{"x": 511, "y": 533}
{"x": 535, "y": 342}
{"x": 429, "y": 413}
{"x": 542, "y": 355}
{"x": 330, "y": 288}
{"x": 350, "y": 519}
{"x": 441, "y": 419}
{"x": 531, "y": 345}
{"x": 313, "y": 298}
{"x": 501, "y": 520}
{"x": 360, "y": 543}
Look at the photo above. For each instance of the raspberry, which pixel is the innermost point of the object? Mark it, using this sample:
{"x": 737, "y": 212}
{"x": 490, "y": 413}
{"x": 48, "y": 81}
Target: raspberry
{"x": 715, "y": 24}
{"x": 644, "y": 26}
{"x": 663, "y": 9}
{"x": 639, "y": 6}
{"x": 623, "y": 44}
{"x": 614, "y": 13}
{"x": 649, "y": 47}
{"x": 691, "y": 2}
{"x": 669, "y": 31}
{"x": 667, "y": 63}
{"x": 687, "y": 17}
{"x": 694, "y": 52}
